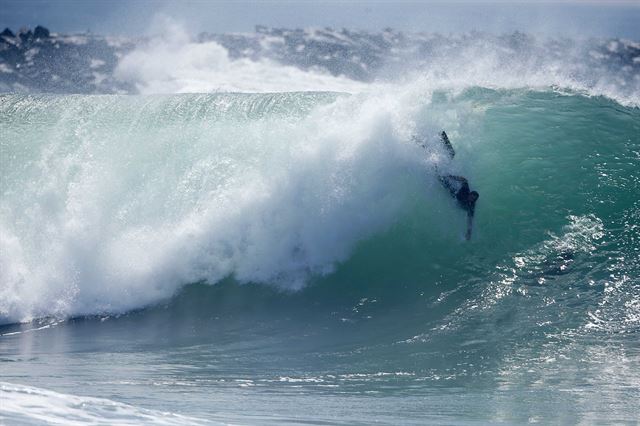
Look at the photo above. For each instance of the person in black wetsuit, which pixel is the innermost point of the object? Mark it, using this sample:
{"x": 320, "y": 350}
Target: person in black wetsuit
{"x": 459, "y": 188}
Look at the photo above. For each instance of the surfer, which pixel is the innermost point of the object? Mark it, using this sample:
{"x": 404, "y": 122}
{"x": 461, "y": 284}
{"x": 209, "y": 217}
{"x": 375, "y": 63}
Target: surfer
{"x": 458, "y": 186}
{"x": 459, "y": 189}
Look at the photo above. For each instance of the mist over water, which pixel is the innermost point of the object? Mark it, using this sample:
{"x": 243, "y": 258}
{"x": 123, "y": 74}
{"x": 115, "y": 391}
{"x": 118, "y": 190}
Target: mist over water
{"x": 255, "y": 232}
{"x": 174, "y": 60}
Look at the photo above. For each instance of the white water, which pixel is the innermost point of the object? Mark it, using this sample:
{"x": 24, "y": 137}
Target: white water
{"x": 124, "y": 200}
{"x": 31, "y": 405}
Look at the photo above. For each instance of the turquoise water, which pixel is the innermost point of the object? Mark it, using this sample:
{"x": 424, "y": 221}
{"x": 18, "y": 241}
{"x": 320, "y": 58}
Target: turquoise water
{"x": 291, "y": 258}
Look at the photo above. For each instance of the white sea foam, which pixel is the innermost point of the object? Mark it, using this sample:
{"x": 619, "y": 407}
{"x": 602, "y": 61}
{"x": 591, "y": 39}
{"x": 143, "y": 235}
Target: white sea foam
{"x": 31, "y": 405}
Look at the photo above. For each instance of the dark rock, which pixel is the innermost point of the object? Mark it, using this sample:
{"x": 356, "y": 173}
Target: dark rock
{"x": 7, "y": 33}
{"x": 25, "y": 34}
{"x": 41, "y": 32}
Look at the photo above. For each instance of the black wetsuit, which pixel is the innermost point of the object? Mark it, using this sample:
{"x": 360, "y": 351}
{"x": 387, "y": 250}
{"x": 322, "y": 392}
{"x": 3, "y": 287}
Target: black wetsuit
{"x": 459, "y": 189}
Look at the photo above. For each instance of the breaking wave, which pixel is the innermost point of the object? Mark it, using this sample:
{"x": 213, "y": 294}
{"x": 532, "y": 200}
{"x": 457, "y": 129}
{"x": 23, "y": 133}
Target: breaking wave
{"x": 111, "y": 203}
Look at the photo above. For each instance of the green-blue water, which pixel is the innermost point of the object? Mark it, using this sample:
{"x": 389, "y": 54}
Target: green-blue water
{"x": 292, "y": 258}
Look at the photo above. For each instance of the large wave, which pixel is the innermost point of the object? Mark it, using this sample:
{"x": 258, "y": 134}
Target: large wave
{"x": 110, "y": 203}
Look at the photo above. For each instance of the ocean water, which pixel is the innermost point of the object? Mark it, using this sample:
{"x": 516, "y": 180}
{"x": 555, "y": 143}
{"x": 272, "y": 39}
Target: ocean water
{"x": 291, "y": 258}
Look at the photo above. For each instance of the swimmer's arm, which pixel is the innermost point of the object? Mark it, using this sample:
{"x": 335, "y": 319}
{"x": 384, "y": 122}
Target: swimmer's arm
{"x": 467, "y": 236}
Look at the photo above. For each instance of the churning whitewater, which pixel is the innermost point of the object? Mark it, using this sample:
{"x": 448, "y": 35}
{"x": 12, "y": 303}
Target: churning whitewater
{"x": 124, "y": 200}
